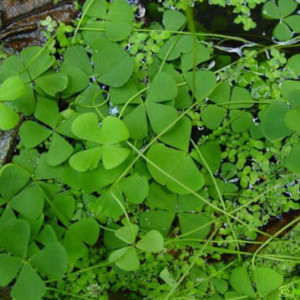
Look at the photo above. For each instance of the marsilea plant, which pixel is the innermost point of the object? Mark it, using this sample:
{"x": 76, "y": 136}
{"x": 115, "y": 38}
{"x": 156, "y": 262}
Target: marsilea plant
{"x": 146, "y": 154}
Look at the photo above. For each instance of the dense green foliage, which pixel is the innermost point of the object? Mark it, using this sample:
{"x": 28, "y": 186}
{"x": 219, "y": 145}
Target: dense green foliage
{"x": 149, "y": 153}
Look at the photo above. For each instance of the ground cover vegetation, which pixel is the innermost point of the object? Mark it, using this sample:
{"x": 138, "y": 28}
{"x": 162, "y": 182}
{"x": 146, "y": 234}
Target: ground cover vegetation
{"x": 151, "y": 155}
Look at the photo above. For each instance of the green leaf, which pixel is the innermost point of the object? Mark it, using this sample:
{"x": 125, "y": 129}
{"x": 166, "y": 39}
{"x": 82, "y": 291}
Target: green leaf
{"x": 213, "y": 116}
{"x": 221, "y": 94}
{"x": 52, "y": 83}
{"x": 124, "y": 93}
{"x": 86, "y": 127}
{"x": 47, "y": 111}
{"x": 78, "y": 80}
{"x": 157, "y": 219}
{"x": 292, "y": 119}
{"x": 74, "y": 246}
{"x": 176, "y": 164}
{"x": 162, "y": 88}
{"x": 241, "y": 120}
{"x": 173, "y": 20}
{"x": 119, "y": 21}
{"x": 59, "y": 150}
{"x": 292, "y": 161}
{"x": 220, "y": 285}
{"x": 282, "y": 32}
{"x": 125, "y": 258}
{"x": 167, "y": 278}
{"x": 294, "y": 63}
{"x": 286, "y": 7}
{"x": 179, "y": 135}
{"x": 136, "y": 122}
{"x": 270, "y": 11}
{"x": 28, "y": 159}
{"x": 9, "y": 268}
{"x": 87, "y": 230}
{"x": 152, "y": 242}
{"x": 272, "y": 121}
{"x": 76, "y": 56}
{"x": 161, "y": 116}
{"x": 45, "y": 171}
{"x": 51, "y": 261}
{"x": 127, "y": 233}
{"x": 110, "y": 240}
{"x": 91, "y": 98}
{"x": 190, "y": 202}
{"x": 90, "y": 36}
{"x": 14, "y": 237}
{"x": 204, "y": 84}
{"x": 191, "y": 60}
{"x": 113, "y": 65}
{"x": 96, "y": 9}
{"x": 12, "y": 66}
{"x": 11, "y": 89}
{"x": 12, "y": 179}
{"x": 29, "y": 285}
{"x": 240, "y": 281}
{"x": 86, "y": 159}
{"x": 107, "y": 206}
{"x": 37, "y": 60}
{"x": 160, "y": 197}
{"x": 32, "y": 134}
{"x": 293, "y": 22}
{"x": 47, "y": 236}
{"x": 240, "y": 98}
{"x": 211, "y": 152}
{"x": 65, "y": 205}
{"x": 113, "y": 131}
{"x": 8, "y": 117}
{"x": 135, "y": 188}
{"x": 29, "y": 202}
{"x": 266, "y": 280}
{"x": 195, "y": 226}
{"x": 289, "y": 86}
{"x": 113, "y": 156}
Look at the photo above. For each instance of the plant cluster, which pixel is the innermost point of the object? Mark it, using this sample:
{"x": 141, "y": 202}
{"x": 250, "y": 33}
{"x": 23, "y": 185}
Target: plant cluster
{"x": 144, "y": 153}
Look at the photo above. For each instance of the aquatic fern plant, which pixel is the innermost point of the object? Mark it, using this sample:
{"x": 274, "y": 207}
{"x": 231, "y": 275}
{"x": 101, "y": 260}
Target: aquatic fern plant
{"x": 149, "y": 158}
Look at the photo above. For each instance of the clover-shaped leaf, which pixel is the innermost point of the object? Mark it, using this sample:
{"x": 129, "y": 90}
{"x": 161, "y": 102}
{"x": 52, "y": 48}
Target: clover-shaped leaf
{"x": 85, "y": 231}
{"x": 127, "y": 233}
{"x": 173, "y": 19}
{"x": 292, "y": 161}
{"x": 29, "y": 202}
{"x": 59, "y": 150}
{"x": 29, "y": 285}
{"x": 52, "y": 83}
{"x": 38, "y": 60}
{"x": 32, "y": 134}
{"x": 119, "y": 22}
{"x": 113, "y": 131}
{"x": 9, "y": 268}
{"x": 113, "y": 65}
{"x": 288, "y": 24}
{"x": 8, "y": 117}
{"x": 152, "y": 242}
{"x": 135, "y": 188}
{"x": 86, "y": 127}
{"x": 125, "y": 258}
{"x": 266, "y": 281}
{"x": 14, "y": 237}
{"x": 165, "y": 163}
{"x": 86, "y": 159}
{"x": 162, "y": 88}
{"x": 11, "y": 89}
{"x": 52, "y": 254}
